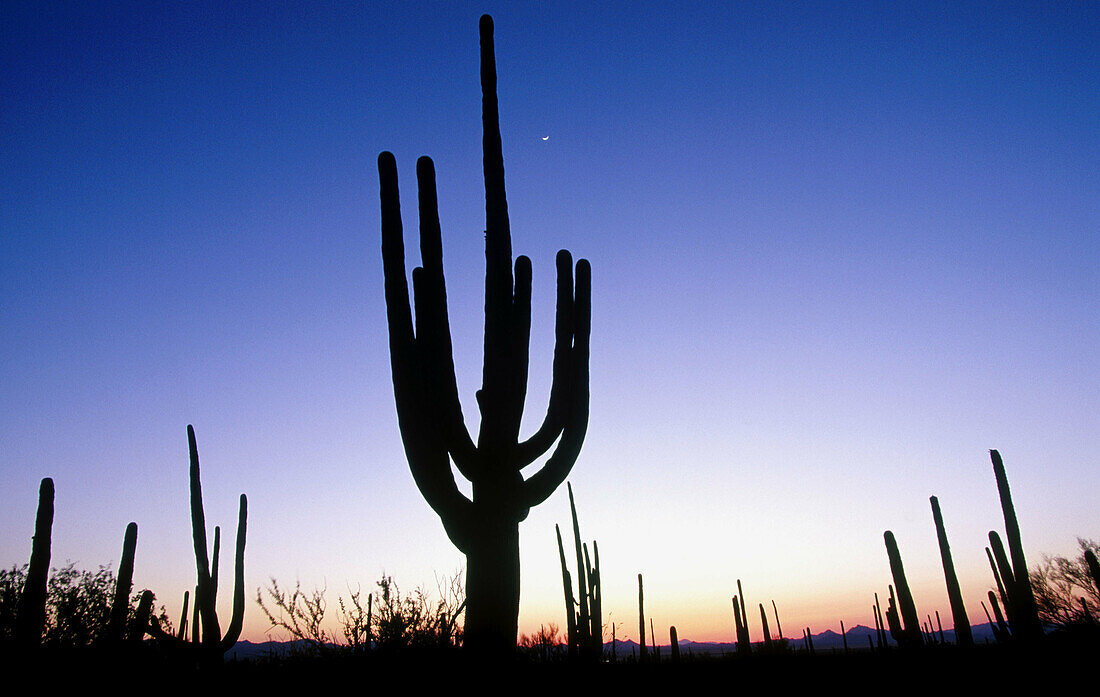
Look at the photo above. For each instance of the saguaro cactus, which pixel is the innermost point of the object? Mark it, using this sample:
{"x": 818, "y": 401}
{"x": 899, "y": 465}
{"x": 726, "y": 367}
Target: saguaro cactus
{"x": 909, "y": 618}
{"x": 214, "y": 644}
{"x": 963, "y": 635}
{"x": 31, "y": 613}
{"x": 1026, "y": 624}
{"x": 116, "y": 626}
{"x": 486, "y": 528}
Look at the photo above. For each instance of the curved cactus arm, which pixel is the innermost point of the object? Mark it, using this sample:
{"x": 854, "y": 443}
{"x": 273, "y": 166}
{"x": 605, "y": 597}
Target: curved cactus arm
{"x": 556, "y": 410}
{"x": 433, "y": 329}
{"x": 539, "y": 486}
{"x": 520, "y": 347}
{"x": 428, "y": 460}
{"x": 233, "y": 631}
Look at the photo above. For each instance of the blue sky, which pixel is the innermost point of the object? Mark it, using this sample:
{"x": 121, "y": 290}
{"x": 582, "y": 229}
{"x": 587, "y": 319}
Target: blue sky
{"x": 839, "y": 251}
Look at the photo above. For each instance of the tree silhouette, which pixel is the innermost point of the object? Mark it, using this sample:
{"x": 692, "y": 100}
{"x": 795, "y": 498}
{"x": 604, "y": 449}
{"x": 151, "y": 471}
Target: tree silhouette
{"x": 486, "y": 528}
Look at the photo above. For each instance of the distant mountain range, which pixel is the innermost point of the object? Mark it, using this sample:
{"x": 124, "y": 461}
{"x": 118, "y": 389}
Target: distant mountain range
{"x": 825, "y": 641}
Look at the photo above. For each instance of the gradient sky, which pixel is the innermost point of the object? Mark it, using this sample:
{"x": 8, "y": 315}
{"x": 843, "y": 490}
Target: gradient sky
{"x": 839, "y": 251}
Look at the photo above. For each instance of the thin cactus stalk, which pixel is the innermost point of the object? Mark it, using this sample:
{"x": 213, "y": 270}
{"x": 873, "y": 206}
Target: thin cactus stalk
{"x": 183, "y": 617}
{"x": 996, "y": 573}
{"x": 1001, "y": 624}
{"x": 992, "y": 624}
{"x": 963, "y": 635}
{"x": 939, "y": 624}
{"x": 116, "y": 625}
{"x": 778, "y": 627}
{"x": 570, "y": 613}
{"x": 743, "y": 644}
{"x": 879, "y": 625}
{"x": 641, "y": 622}
{"x": 1023, "y": 599}
{"x": 674, "y": 644}
{"x": 893, "y": 621}
{"x": 584, "y": 623}
{"x": 31, "y": 613}
{"x": 909, "y": 617}
{"x": 810, "y": 639}
{"x": 764, "y": 624}
{"x": 843, "y": 636}
{"x": 744, "y": 613}
{"x": 595, "y": 612}
{"x": 196, "y": 621}
{"x": 486, "y": 527}
{"x": 653, "y": 642}
{"x": 214, "y": 643}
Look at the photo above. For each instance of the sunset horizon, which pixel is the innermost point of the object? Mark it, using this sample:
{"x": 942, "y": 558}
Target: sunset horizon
{"x": 838, "y": 255}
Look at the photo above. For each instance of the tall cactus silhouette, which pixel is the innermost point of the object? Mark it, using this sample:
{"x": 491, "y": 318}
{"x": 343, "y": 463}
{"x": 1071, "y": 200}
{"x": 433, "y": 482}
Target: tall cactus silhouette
{"x": 1025, "y": 623}
{"x": 30, "y": 615}
{"x": 116, "y": 625}
{"x": 963, "y": 635}
{"x": 214, "y": 644}
{"x": 911, "y": 634}
{"x": 486, "y": 527}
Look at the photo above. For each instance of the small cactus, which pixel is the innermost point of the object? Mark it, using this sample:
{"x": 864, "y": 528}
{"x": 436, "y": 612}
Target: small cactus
{"x": 31, "y": 613}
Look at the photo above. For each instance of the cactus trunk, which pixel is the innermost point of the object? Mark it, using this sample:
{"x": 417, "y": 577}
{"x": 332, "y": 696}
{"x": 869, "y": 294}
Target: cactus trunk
{"x": 963, "y": 635}
{"x": 116, "y": 626}
{"x": 1026, "y": 623}
{"x": 31, "y": 613}
{"x": 911, "y": 632}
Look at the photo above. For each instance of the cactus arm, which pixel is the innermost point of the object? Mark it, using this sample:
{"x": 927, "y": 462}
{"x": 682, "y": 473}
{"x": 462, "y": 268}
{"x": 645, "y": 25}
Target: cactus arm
{"x": 520, "y": 349}
{"x": 116, "y": 626}
{"x": 214, "y": 561}
{"x": 556, "y": 410}
{"x": 427, "y": 458}
{"x": 437, "y": 352}
{"x": 539, "y": 486}
{"x": 233, "y": 631}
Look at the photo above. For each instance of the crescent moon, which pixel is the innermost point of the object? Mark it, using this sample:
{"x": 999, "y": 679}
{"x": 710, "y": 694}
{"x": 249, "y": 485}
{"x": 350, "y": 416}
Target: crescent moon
{"x": 546, "y": 137}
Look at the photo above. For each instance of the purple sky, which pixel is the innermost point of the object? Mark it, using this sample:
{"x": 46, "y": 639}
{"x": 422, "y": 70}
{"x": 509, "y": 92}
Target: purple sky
{"x": 838, "y": 251}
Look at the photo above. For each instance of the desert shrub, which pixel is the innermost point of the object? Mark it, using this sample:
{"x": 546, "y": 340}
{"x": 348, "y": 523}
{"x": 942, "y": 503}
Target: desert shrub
{"x": 78, "y": 605}
{"x": 385, "y": 619}
{"x": 1065, "y": 594}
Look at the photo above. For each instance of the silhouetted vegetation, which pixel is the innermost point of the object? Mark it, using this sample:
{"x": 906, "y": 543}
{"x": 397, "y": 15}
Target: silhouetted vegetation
{"x": 486, "y": 528}
{"x": 397, "y": 622}
{"x": 78, "y": 607}
{"x": 1066, "y": 593}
